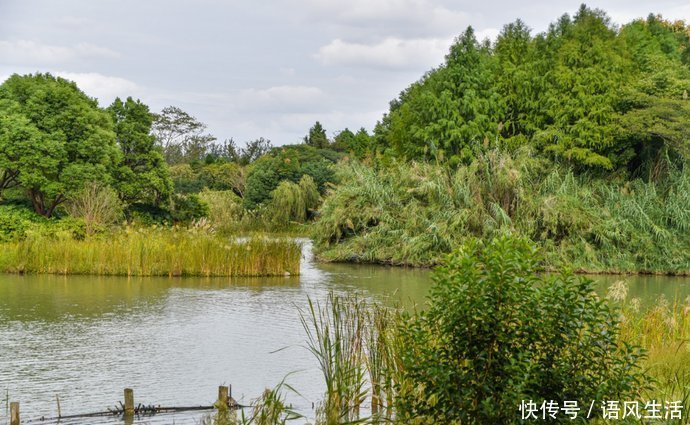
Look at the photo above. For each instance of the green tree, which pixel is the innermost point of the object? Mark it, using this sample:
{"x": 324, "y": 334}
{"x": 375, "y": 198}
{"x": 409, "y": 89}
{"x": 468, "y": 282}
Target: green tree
{"x": 287, "y": 163}
{"x": 451, "y": 111}
{"x": 142, "y": 176}
{"x": 317, "y": 137}
{"x": 53, "y": 140}
{"x": 181, "y": 136}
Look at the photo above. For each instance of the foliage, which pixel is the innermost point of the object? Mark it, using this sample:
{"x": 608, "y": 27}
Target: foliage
{"x": 230, "y": 152}
{"x": 585, "y": 92}
{"x": 142, "y": 176}
{"x": 187, "y": 208}
{"x": 17, "y": 222}
{"x": 53, "y": 139}
{"x": 496, "y": 332}
{"x": 181, "y": 136}
{"x": 152, "y": 251}
{"x": 291, "y": 202}
{"x": 224, "y": 210}
{"x": 414, "y": 213}
{"x": 97, "y": 206}
{"x": 286, "y": 163}
{"x": 317, "y": 137}
{"x": 356, "y": 144}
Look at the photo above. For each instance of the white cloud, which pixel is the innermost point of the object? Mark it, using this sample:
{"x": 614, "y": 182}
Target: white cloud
{"x": 27, "y": 52}
{"x": 103, "y": 87}
{"x": 421, "y": 18}
{"x": 392, "y": 53}
{"x": 280, "y": 99}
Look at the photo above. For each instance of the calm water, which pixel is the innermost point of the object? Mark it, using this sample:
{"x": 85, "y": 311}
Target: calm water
{"x": 175, "y": 340}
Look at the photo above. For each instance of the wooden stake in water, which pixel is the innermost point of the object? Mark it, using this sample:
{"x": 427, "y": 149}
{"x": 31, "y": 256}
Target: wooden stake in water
{"x": 57, "y": 398}
{"x": 14, "y": 413}
{"x": 129, "y": 401}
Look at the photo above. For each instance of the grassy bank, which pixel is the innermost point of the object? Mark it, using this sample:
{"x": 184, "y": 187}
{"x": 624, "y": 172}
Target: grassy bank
{"x": 414, "y": 214}
{"x": 152, "y": 252}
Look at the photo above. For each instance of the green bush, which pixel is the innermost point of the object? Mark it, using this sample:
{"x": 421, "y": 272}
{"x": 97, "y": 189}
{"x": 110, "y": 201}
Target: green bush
{"x": 288, "y": 163}
{"x": 187, "y": 208}
{"x": 497, "y": 332}
{"x": 17, "y": 222}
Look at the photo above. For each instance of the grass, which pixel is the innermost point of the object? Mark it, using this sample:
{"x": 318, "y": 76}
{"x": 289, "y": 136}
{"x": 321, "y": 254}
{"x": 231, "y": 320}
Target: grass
{"x": 663, "y": 330}
{"x": 416, "y": 213}
{"x": 152, "y": 252}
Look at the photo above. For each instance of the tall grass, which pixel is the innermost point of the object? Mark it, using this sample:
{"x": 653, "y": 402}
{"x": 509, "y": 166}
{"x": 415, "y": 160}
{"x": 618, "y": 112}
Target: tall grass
{"x": 354, "y": 344}
{"x": 415, "y": 213}
{"x": 663, "y": 330}
{"x": 152, "y": 252}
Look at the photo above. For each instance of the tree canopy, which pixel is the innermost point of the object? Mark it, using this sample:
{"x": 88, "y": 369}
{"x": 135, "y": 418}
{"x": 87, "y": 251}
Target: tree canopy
{"x": 53, "y": 139}
{"x": 585, "y": 92}
{"x": 142, "y": 176}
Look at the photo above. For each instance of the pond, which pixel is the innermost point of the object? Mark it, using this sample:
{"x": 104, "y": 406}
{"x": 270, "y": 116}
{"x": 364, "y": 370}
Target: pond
{"x": 174, "y": 341}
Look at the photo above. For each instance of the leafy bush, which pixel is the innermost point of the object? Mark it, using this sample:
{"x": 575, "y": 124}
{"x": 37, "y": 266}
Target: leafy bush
{"x": 497, "y": 332}
{"x": 288, "y": 163}
{"x": 187, "y": 208}
{"x": 17, "y": 222}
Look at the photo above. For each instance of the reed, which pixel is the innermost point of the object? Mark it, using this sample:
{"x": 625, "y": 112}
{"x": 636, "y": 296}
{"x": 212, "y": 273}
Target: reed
{"x": 353, "y": 342}
{"x": 152, "y": 252}
{"x": 416, "y": 213}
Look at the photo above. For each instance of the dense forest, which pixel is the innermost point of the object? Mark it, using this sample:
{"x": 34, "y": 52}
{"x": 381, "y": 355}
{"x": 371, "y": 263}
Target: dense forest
{"x": 576, "y": 138}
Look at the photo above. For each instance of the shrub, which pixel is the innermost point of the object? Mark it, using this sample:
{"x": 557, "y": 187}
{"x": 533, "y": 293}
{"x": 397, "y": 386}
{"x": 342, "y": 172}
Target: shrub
{"x": 187, "y": 208}
{"x": 497, "y": 332}
{"x": 97, "y": 205}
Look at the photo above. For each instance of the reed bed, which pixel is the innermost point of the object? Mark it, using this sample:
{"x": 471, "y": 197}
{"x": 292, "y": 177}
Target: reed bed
{"x": 663, "y": 330}
{"x": 416, "y": 213}
{"x": 152, "y": 252}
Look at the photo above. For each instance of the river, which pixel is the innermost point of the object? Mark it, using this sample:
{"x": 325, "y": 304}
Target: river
{"x": 174, "y": 341}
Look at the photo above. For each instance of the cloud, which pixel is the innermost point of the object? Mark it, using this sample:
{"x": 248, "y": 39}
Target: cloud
{"x": 27, "y": 52}
{"x": 103, "y": 87}
{"x": 402, "y": 18}
{"x": 391, "y": 53}
{"x": 280, "y": 99}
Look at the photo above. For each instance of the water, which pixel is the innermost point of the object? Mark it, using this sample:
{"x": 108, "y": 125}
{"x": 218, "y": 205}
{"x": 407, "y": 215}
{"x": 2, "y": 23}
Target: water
{"x": 174, "y": 341}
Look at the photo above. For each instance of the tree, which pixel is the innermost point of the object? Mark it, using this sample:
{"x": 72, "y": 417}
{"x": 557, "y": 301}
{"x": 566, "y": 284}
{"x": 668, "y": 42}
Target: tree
{"x": 181, "y": 135}
{"x": 450, "y": 111}
{"x": 229, "y": 151}
{"x": 317, "y": 137}
{"x": 142, "y": 176}
{"x": 53, "y": 139}
{"x": 286, "y": 163}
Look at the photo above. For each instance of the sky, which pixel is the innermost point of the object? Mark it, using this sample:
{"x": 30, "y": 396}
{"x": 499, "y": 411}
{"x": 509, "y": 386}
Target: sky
{"x": 251, "y": 69}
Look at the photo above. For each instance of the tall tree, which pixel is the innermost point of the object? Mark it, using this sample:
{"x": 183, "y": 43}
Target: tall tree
{"x": 54, "y": 139}
{"x": 142, "y": 176}
{"x": 181, "y": 136}
{"x": 317, "y": 137}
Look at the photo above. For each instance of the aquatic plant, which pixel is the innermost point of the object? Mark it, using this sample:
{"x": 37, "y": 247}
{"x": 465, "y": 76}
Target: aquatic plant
{"x": 152, "y": 251}
{"x": 415, "y": 213}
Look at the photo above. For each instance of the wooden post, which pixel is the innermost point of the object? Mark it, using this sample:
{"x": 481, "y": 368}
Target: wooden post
{"x": 14, "y": 413}
{"x": 229, "y": 391}
{"x": 57, "y": 397}
{"x": 129, "y": 401}
{"x": 223, "y": 397}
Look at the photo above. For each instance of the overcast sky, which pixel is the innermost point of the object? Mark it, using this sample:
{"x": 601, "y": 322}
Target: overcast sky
{"x": 262, "y": 68}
